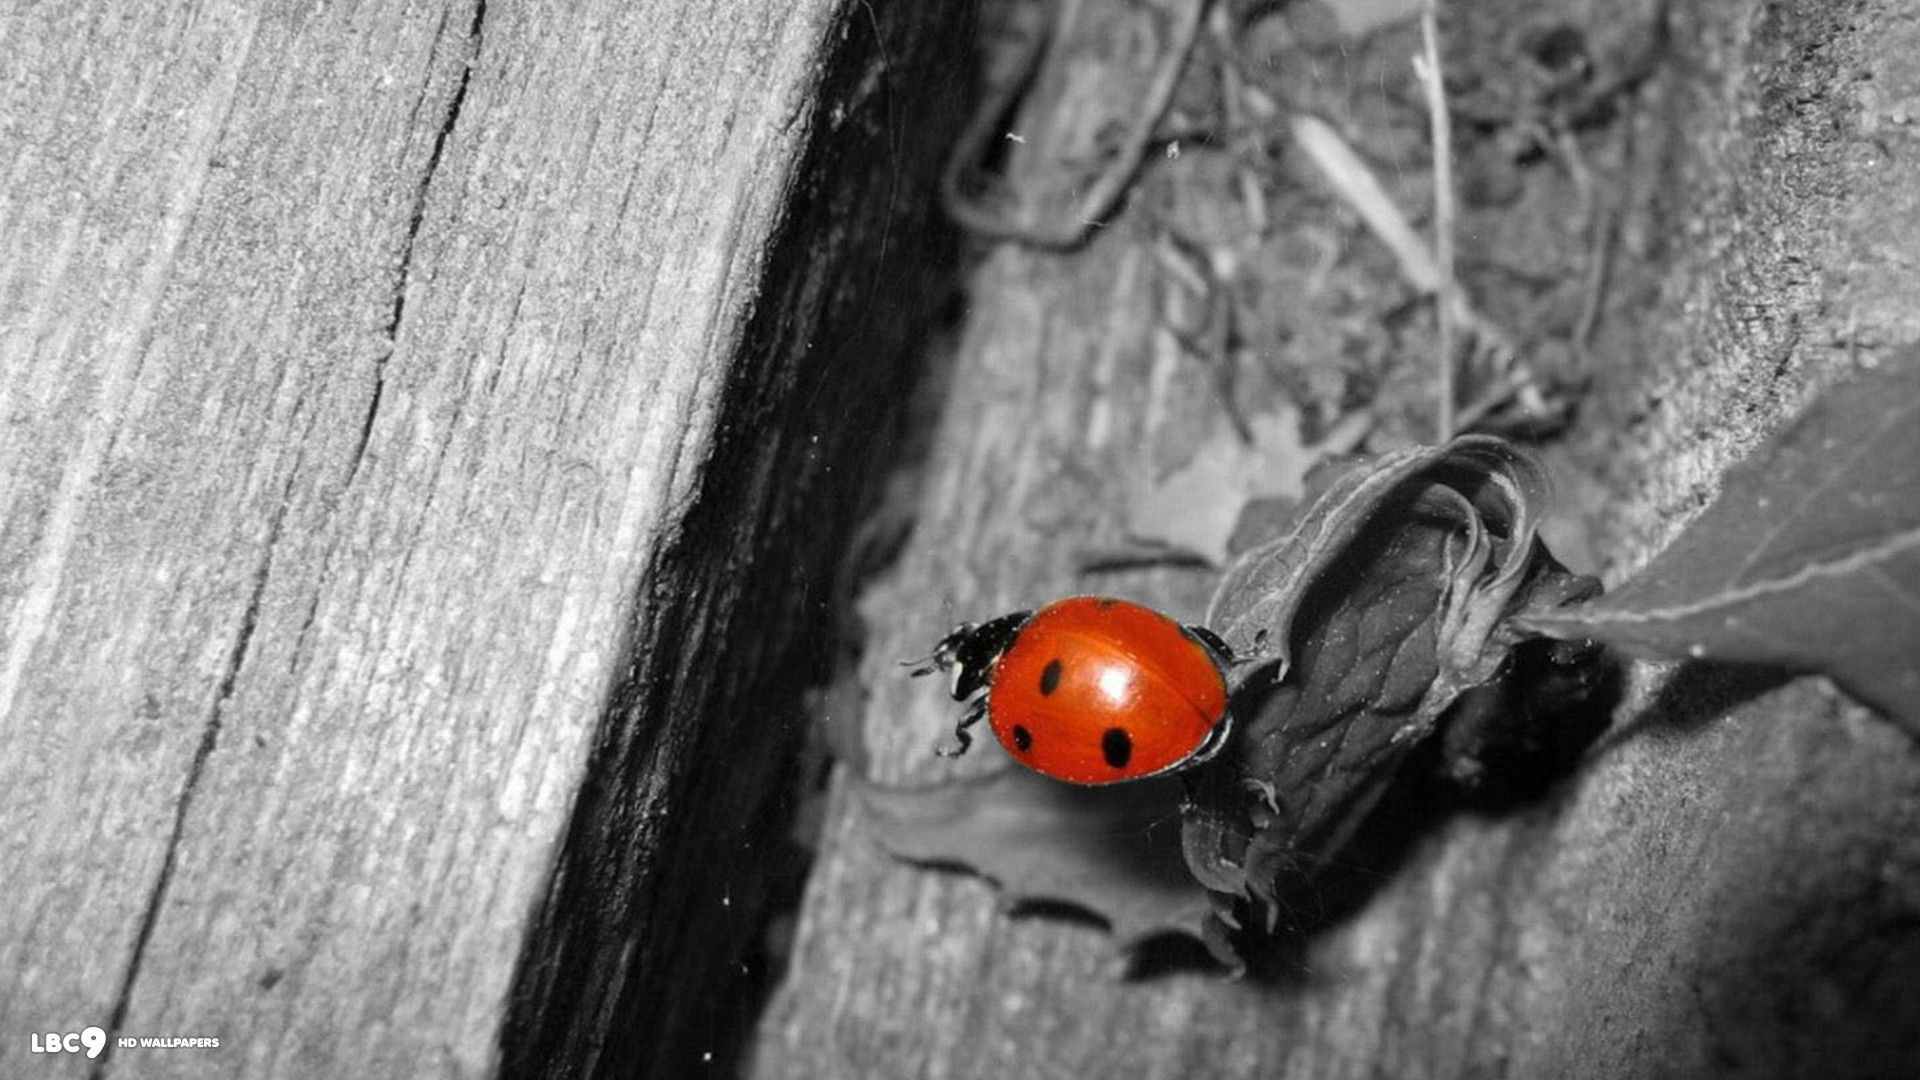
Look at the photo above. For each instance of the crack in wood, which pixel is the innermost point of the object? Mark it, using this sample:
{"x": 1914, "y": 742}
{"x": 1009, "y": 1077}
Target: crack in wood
{"x": 209, "y": 740}
{"x": 391, "y": 331}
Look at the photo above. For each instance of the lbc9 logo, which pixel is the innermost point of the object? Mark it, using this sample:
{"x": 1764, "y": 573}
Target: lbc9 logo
{"x": 92, "y": 1039}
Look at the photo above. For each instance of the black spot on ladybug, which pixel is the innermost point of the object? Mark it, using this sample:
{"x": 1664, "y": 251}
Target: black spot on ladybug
{"x": 1117, "y": 746}
{"x": 1022, "y": 739}
{"x": 1050, "y": 677}
{"x": 1104, "y": 602}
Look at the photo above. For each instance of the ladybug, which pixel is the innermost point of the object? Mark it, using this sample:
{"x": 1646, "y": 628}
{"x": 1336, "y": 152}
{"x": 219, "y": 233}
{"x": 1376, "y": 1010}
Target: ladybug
{"x": 1090, "y": 689}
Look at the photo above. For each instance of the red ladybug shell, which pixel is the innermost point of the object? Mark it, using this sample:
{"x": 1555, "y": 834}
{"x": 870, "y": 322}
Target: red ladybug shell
{"x": 1095, "y": 690}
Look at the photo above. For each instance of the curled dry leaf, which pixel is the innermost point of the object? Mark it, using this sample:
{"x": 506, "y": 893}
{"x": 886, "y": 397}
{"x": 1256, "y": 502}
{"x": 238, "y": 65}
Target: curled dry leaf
{"x": 1488, "y": 478}
{"x": 1390, "y": 598}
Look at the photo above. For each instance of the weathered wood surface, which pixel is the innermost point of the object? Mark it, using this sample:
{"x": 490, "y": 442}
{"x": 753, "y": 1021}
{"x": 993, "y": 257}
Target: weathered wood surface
{"x": 360, "y": 370}
{"x": 1730, "y": 885}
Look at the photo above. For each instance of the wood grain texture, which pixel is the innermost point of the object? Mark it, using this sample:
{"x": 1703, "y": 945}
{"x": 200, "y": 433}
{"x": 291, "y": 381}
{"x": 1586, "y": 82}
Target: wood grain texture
{"x": 648, "y": 956}
{"x": 358, "y": 369}
{"x": 1728, "y": 888}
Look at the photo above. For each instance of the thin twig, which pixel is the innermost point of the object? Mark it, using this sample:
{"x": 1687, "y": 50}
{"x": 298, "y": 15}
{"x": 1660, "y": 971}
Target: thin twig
{"x": 1503, "y": 390}
{"x": 1104, "y": 193}
{"x": 1356, "y": 185}
{"x": 1213, "y": 340}
{"x": 970, "y": 212}
{"x": 1427, "y": 67}
{"x": 1594, "y": 292}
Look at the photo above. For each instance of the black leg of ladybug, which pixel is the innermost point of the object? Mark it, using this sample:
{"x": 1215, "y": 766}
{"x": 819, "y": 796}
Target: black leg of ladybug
{"x": 960, "y": 733}
{"x": 1215, "y": 642}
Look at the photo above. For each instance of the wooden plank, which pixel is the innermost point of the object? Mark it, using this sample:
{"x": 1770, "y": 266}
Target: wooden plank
{"x": 650, "y": 955}
{"x": 1725, "y": 888}
{"x": 360, "y": 370}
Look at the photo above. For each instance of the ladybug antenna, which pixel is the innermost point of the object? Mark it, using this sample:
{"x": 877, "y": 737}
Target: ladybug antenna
{"x": 943, "y": 655}
{"x": 960, "y": 733}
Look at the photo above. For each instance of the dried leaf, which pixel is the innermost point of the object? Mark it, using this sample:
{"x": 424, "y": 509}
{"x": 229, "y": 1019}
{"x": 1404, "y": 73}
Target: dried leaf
{"x": 1255, "y": 603}
{"x": 1389, "y": 601}
{"x": 1808, "y": 559}
{"x": 1111, "y": 851}
{"x": 1197, "y": 507}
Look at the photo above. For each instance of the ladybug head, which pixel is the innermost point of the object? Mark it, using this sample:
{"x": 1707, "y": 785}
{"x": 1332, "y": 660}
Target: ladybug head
{"x": 968, "y": 652}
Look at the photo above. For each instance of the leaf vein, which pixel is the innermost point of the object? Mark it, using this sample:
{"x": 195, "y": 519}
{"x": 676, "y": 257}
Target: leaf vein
{"x": 1838, "y": 473}
{"x": 1862, "y": 560}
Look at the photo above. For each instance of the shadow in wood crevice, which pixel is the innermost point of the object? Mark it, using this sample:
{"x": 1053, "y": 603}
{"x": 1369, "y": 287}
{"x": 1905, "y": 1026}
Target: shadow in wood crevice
{"x": 1545, "y": 718}
{"x": 1698, "y": 693}
{"x": 657, "y": 940}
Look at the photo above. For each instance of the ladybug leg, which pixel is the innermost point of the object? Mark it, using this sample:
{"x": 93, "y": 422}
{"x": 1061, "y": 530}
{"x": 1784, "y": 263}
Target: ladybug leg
{"x": 960, "y": 733}
{"x": 1215, "y": 642}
